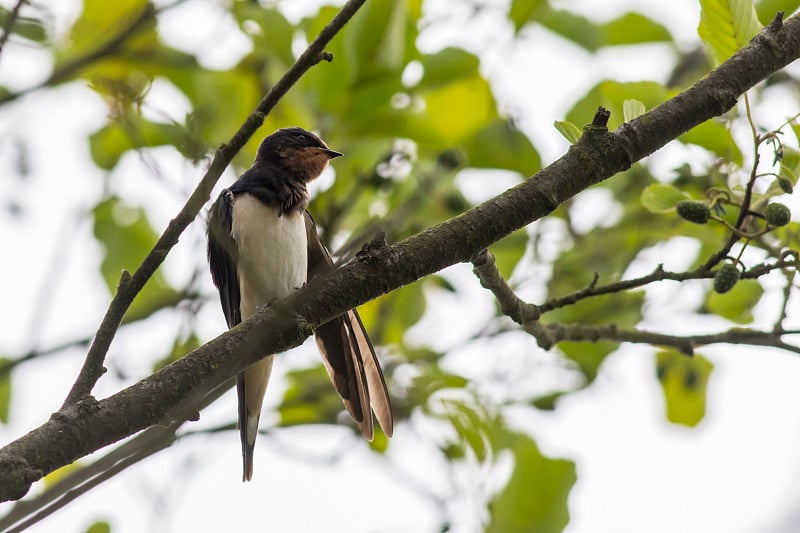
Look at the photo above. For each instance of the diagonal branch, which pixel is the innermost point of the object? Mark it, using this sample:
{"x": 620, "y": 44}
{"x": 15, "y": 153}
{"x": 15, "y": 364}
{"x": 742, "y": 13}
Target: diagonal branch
{"x": 174, "y": 391}
{"x": 8, "y": 27}
{"x": 130, "y": 285}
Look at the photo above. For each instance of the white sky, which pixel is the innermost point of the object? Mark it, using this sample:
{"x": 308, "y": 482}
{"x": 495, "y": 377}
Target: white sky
{"x": 735, "y": 473}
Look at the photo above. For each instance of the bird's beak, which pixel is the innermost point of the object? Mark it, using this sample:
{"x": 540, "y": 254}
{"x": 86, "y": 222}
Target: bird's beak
{"x": 331, "y": 153}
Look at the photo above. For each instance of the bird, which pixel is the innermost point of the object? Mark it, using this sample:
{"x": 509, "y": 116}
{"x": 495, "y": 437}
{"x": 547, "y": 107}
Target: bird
{"x": 263, "y": 245}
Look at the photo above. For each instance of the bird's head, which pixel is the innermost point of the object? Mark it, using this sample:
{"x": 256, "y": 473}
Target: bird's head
{"x": 296, "y": 150}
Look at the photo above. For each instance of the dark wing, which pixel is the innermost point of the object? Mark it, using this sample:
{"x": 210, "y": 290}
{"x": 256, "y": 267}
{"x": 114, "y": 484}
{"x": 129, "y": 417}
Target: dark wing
{"x": 348, "y": 353}
{"x": 223, "y": 256}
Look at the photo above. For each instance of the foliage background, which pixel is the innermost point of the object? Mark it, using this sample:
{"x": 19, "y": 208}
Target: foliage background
{"x": 96, "y": 163}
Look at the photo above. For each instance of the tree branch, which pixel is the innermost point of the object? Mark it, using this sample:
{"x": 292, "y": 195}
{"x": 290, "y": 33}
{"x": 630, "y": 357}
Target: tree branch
{"x": 130, "y": 285}
{"x": 174, "y": 391}
{"x": 685, "y": 344}
{"x": 8, "y": 27}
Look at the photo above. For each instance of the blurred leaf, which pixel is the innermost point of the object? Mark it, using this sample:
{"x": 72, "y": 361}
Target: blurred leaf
{"x": 26, "y": 27}
{"x": 630, "y": 28}
{"x": 182, "y": 345}
{"x": 588, "y": 356}
{"x": 98, "y": 23}
{"x": 269, "y": 30}
{"x": 445, "y": 108}
{"x": 716, "y": 138}
{"x": 661, "y": 198}
{"x": 127, "y": 236}
{"x": 387, "y": 318}
{"x": 432, "y": 379}
{"x": 446, "y": 66}
{"x": 309, "y": 398}
{"x": 789, "y": 235}
{"x": 684, "y": 381}
{"x": 379, "y": 442}
{"x": 632, "y": 109}
{"x": 737, "y": 304}
{"x": 99, "y": 527}
{"x": 570, "y": 131}
{"x": 5, "y": 392}
{"x": 727, "y": 25}
{"x": 375, "y": 40}
{"x": 790, "y": 164}
{"x": 501, "y": 145}
{"x": 524, "y": 11}
{"x": 51, "y": 479}
{"x": 108, "y": 144}
{"x": 535, "y": 498}
{"x": 547, "y": 402}
{"x": 633, "y": 28}
{"x": 508, "y": 251}
{"x": 472, "y": 426}
{"x": 767, "y": 9}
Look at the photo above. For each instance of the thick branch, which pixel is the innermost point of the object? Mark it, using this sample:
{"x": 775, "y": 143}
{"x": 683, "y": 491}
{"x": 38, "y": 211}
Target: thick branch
{"x": 170, "y": 393}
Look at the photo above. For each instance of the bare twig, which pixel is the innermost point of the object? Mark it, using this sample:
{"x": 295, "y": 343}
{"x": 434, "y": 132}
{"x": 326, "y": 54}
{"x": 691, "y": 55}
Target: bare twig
{"x": 685, "y": 344}
{"x": 547, "y": 335}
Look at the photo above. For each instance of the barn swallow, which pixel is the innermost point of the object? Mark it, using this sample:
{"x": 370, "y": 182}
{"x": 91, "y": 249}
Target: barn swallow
{"x": 262, "y": 245}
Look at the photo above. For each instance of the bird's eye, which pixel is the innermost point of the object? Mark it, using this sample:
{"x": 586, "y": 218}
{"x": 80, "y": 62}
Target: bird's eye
{"x": 300, "y": 136}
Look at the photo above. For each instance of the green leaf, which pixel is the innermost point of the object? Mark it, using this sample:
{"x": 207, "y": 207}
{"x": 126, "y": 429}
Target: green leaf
{"x": 108, "y": 144}
{"x": 535, "y": 498}
{"x": 389, "y": 317}
{"x": 270, "y": 31}
{"x": 309, "y": 398}
{"x": 471, "y": 425}
{"x": 716, "y": 138}
{"x": 98, "y": 23}
{"x": 588, "y": 356}
{"x": 446, "y": 66}
{"x": 26, "y": 27}
{"x": 127, "y": 236}
{"x": 500, "y": 145}
{"x": 575, "y": 28}
{"x": 5, "y": 392}
{"x": 630, "y": 28}
{"x": 727, "y": 25}
{"x": 632, "y": 109}
{"x": 737, "y": 304}
{"x": 431, "y": 379}
{"x": 508, "y": 251}
{"x": 182, "y": 345}
{"x": 445, "y": 108}
{"x": 523, "y": 11}
{"x": 633, "y": 28}
{"x": 375, "y": 40}
{"x": 570, "y": 131}
{"x": 684, "y": 381}
{"x": 661, "y": 198}
{"x": 767, "y": 9}
{"x": 99, "y": 527}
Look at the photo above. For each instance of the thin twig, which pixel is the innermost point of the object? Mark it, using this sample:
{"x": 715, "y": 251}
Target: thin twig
{"x": 8, "y": 27}
{"x": 685, "y": 344}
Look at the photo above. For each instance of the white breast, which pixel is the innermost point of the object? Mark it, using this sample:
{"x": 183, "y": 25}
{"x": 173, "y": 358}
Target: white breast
{"x": 273, "y": 252}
